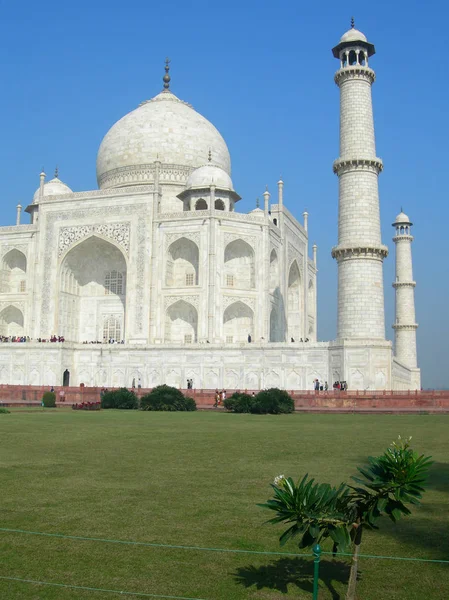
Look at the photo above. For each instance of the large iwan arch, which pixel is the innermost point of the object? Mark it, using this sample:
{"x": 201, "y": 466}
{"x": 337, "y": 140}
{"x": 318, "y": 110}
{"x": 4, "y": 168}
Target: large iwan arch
{"x": 239, "y": 268}
{"x": 92, "y": 292}
{"x": 182, "y": 263}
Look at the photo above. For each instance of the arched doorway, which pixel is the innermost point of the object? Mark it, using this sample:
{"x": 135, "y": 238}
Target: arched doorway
{"x": 239, "y": 265}
{"x": 13, "y": 274}
{"x": 11, "y": 322}
{"x": 182, "y": 263}
{"x": 238, "y": 323}
{"x": 181, "y": 323}
{"x": 274, "y": 270}
{"x": 294, "y": 303}
{"x": 92, "y": 292}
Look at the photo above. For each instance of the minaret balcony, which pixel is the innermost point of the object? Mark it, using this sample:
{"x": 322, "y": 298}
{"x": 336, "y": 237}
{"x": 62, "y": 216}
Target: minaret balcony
{"x": 343, "y": 165}
{"x": 354, "y": 72}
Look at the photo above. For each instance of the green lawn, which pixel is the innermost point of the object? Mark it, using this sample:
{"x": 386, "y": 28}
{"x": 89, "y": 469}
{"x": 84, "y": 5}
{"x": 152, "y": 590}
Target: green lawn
{"x": 195, "y": 479}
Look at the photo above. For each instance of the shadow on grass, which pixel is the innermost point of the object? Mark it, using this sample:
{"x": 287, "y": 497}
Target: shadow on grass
{"x": 279, "y": 574}
{"x": 438, "y": 477}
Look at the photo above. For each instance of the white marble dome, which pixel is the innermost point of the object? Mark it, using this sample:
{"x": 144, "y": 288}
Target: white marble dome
{"x": 54, "y": 187}
{"x": 164, "y": 129}
{"x": 208, "y": 175}
{"x": 353, "y": 35}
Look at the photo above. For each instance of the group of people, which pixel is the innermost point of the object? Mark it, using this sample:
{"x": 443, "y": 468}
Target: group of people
{"x": 15, "y": 338}
{"x": 219, "y": 397}
{"x": 110, "y": 341}
{"x": 190, "y": 384}
{"x": 319, "y": 386}
{"x": 340, "y": 385}
{"x": 301, "y": 340}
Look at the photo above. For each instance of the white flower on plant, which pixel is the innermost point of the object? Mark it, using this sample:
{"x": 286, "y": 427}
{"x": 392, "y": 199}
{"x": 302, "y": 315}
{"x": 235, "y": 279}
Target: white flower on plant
{"x": 279, "y": 480}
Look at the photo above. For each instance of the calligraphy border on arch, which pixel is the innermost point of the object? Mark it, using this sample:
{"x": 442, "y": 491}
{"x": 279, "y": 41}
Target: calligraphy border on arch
{"x": 94, "y": 213}
{"x": 117, "y": 232}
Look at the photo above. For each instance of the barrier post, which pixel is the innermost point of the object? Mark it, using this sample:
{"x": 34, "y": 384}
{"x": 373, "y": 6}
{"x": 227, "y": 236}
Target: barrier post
{"x": 316, "y": 569}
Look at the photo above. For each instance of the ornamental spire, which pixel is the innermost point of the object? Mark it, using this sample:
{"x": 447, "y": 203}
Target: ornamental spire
{"x": 56, "y": 172}
{"x": 352, "y": 23}
{"x": 166, "y": 78}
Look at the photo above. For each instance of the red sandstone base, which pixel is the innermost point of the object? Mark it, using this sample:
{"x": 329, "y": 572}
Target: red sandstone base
{"x": 433, "y": 401}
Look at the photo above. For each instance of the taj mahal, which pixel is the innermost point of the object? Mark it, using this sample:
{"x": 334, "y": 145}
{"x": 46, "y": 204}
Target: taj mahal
{"x": 157, "y": 277}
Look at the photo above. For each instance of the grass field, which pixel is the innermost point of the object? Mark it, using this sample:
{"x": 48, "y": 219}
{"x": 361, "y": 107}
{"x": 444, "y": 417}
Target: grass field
{"x": 195, "y": 479}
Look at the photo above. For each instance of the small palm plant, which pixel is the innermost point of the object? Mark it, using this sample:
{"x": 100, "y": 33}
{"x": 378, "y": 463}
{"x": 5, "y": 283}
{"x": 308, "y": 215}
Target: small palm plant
{"x": 316, "y": 511}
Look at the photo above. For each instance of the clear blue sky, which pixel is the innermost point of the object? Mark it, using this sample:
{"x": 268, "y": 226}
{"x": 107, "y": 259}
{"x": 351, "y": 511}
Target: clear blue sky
{"x": 262, "y": 72}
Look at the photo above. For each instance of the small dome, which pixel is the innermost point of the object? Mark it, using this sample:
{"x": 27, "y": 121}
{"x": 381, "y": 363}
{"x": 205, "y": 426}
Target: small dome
{"x": 402, "y": 218}
{"x": 54, "y": 187}
{"x": 353, "y": 35}
{"x": 208, "y": 175}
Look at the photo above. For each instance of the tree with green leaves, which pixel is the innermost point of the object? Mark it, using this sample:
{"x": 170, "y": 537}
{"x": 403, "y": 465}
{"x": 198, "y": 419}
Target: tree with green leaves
{"x": 317, "y": 511}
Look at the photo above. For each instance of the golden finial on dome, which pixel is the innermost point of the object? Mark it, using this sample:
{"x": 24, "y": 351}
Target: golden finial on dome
{"x": 210, "y": 155}
{"x": 166, "y": 78}
{"x": 352, "y": 23}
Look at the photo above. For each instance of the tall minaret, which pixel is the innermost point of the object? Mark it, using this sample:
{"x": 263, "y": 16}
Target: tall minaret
{"x": 405, "y": 326}
{"x": 359, "y": 253}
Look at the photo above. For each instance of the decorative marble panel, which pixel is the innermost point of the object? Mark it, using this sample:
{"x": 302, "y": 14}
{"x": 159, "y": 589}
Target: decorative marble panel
{"x": 117, "y": 232}
{"x": 169, "y": 300}
{"x": 228, "y": 300}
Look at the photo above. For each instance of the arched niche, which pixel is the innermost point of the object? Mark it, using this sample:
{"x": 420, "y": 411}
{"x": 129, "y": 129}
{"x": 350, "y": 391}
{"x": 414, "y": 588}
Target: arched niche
{"x": 239, "y": 268}
{"x": 238, "y": 323}
{"x": 11, "y": 321}
{"x": 201, "y": 204}
{"x": 274, "y": 270}
{"x": 219, "y": 205}
{"x": 181, "y": 323}
{"x": 14, "y": 268}
{"x": 294, "y": 304}
{"x": 311, "y": 298}
{"x": 92, "y": 292}
{"x": 275, "y": 325}
{"x": 182, "y": 263}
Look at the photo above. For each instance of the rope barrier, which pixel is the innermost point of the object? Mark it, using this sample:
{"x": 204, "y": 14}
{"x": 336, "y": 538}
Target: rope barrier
{"x": 92, "y": 589}
{"x": 199, "y": 548}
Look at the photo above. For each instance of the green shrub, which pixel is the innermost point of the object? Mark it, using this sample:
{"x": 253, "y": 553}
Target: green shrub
{"x": 273, "y": 401}
{"x": 122, "y": 398}
{"x": 239, "y": 402}
{"x": 49, "y": 399}
{"x": 4, "y": 411}
{"x": 164, "y": 397}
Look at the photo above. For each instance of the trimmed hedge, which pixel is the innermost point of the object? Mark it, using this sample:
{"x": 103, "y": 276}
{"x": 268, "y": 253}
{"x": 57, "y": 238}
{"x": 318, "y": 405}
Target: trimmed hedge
{"x": 4, "y": 411}
{"x": 164, "y": 397}
{"x": 121, "y": 398}
{"x": 273, "y": 401}
{"x": 239, "y": 402}
{"x": 49, "y": 400}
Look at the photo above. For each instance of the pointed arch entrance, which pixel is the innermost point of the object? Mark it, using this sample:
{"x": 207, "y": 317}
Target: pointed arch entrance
{"x": 92, "y": 292}
{"x": 11, "y": 321}
{"x": 181, "y": 323}
{"x": 294, "y": 304}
